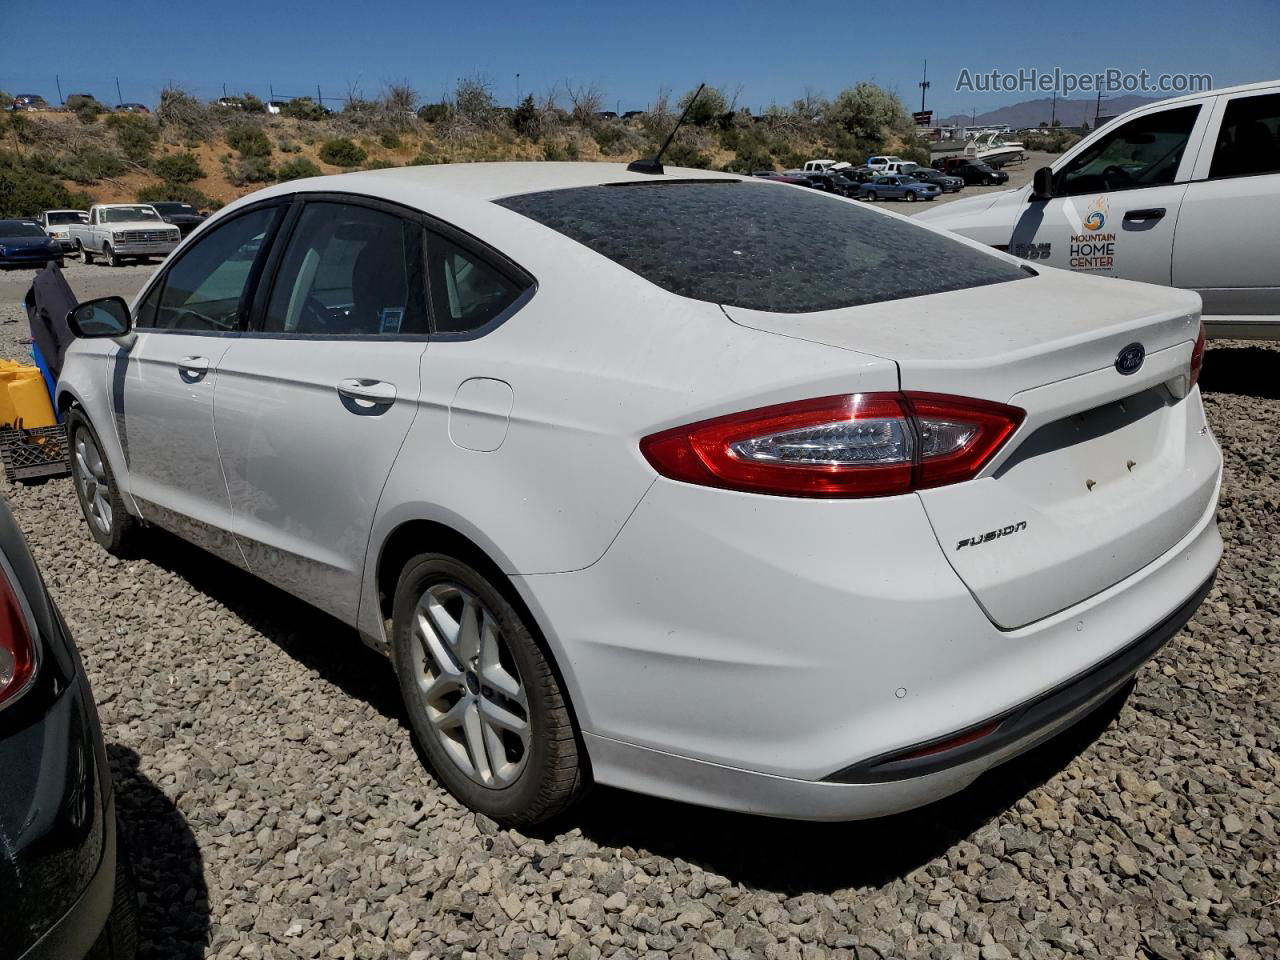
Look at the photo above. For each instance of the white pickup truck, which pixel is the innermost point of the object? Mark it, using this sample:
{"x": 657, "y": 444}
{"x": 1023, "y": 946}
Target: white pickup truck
{"x": 1184, "y": 192}
{"x": 120, "y": 231}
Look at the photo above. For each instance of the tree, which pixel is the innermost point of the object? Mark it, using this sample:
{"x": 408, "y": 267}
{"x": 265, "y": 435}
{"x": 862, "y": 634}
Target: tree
{"x": 524, "y": 119}
{"x": 869, "y": 111}
{"x": 585, "y": 104}
{"x": 711, "y": 107}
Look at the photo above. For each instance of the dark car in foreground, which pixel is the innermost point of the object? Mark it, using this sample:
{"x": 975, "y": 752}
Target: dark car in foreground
{"x": 65, "y": 889}
{"x": 182, "y": 215}
{"x": 24, "y": 244}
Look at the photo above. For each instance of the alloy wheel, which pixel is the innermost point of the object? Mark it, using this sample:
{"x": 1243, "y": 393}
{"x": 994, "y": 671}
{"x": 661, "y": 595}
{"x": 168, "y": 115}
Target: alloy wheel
{"x": 91, "y": 478}
{"x": 471, "y": 689}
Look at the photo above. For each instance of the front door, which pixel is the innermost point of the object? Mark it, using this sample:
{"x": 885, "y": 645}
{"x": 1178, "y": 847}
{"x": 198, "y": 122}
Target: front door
{"x": 314, "y": 403}
{"x": 163, "y": 385}
{"x": 1116, "y": 202}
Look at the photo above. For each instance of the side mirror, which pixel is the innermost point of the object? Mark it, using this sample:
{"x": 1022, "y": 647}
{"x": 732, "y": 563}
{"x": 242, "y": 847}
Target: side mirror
{"x": 1042, "y": 184}
{"x": 104, "y": 317}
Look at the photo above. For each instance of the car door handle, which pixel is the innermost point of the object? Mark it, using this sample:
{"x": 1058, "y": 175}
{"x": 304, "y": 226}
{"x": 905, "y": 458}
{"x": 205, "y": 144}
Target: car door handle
{"x": 370, "y": 391}
{"x": 1142, "y": 216}
{"x": 198, "y": 366}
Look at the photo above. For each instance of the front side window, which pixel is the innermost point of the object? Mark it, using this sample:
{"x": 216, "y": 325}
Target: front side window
{"x": 750, "y": 244}
{"x": 349, "y": 271}
{"x": 466, "y": 293}
{"x": 205, "y": 289}
{"x": 1145, "y": 152}
{"x": 1249, "y": 139}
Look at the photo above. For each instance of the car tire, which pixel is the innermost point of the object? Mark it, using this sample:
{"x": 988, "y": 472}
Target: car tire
{"x": 109, "y": 256}
{"x": 461, "y": 694}
{"x": 986, "y": 181}
{"x": 910, "y": 196}
{"x": 110, "y": 523}
{"x": 85, "y": 255}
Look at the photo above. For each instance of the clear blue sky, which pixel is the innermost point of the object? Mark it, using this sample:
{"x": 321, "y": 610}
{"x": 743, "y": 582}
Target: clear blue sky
{"x": 766, "y": 52}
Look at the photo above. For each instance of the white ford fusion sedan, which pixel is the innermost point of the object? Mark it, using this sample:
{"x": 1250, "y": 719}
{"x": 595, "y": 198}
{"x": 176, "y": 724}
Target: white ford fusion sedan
{"x": 708, "y": 487}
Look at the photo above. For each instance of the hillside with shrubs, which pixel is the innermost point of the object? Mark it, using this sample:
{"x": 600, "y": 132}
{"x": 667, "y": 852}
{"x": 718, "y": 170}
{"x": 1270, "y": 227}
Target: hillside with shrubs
{"x": 208, "y": 155}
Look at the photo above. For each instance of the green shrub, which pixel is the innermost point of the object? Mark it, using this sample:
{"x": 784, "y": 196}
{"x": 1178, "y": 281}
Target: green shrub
{"x": 178, "y": 168}
{"x": 86, "y": 108}
{"x": 435, "y": 112}
{"x": 390, "y": 141}
{"x": 303, "y": 108}
{"x": 342, "y": 153}
{"x": 248, "y": 141}
{"x": 609, "y": 136}
{"x": 91, "y": 164}
{"x": 524, "y": 118}
{"x": 296, "y": 169}
{"x": 380, "y": 163}
{"x": 288, "y": 146}
{"x": 425, "y": 160}
{"x": 684, "y": 155}
{"x": 751, "y": 155}
{"x": 552, "y": 150}
{"x": 176, "y": 192}
{"x": 136, "y": 135}
{"x": 24, "y": 192}
{"x": 249, "y": 170}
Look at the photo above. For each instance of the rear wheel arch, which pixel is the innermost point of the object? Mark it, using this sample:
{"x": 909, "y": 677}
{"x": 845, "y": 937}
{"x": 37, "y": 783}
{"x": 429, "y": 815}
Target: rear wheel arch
{"x": 415, "y": 537}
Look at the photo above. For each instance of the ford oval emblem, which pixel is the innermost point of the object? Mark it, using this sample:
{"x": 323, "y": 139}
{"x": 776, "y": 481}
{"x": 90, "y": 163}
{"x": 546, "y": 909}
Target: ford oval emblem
{"x": 1129, "y": 360}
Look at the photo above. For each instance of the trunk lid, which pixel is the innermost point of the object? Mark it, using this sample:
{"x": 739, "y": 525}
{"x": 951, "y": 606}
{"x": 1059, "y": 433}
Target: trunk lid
{"x": 1107, "y": 472}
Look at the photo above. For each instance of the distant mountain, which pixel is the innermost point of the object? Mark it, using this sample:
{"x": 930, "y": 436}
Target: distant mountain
{"x": 1030, "y": 113}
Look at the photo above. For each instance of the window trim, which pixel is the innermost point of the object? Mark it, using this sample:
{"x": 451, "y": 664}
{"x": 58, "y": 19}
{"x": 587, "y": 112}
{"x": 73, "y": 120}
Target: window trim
{"x": 247, "y": 296}
{"x": 427, "y": 224}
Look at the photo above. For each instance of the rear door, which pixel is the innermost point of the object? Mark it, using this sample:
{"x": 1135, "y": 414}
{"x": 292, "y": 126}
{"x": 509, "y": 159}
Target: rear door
{"x": 1116, "y": 201}
{"x": 315, "y": 401}
{"x": 1227, "y": 244}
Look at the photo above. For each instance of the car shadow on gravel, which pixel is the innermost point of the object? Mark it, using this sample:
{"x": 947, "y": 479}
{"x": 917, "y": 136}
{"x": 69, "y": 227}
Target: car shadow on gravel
{"x": 173, "y": 899}
{"x": 313, "y": 638}
{"x": 1244, "y": 371}
{"x": 792, "y": 857}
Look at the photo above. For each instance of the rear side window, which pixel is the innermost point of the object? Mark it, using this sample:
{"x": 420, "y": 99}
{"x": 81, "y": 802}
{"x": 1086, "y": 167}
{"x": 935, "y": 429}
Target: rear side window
{"x": 466, "y": 292}
{"x": 349, "y": 271}
{"x": 1249, "y": 140}
{"x": 761, "y": 246}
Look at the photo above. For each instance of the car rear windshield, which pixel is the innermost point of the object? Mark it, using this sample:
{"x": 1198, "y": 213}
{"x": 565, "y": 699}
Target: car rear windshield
{"x": 761, "y": 246}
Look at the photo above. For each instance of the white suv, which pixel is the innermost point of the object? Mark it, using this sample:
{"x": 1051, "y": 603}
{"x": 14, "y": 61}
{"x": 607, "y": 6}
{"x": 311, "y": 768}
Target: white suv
{"x": 656, "y": 507}
{"x": 1185, "y": 192}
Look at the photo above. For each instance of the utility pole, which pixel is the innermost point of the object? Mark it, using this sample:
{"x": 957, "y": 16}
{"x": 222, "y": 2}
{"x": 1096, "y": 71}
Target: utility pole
{"x": 58, "y": 81}
{"x": 1053, "y": 116}
{"x": 119, "y": 95}
{"x": 1097, "y": 111}
{"x": 517, "y": 89}
{"x": 924, "y": 85}
{"x": 319, "y": 99}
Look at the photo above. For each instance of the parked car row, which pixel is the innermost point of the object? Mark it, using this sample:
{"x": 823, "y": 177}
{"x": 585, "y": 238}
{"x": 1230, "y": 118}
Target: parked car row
{"x": 113, "y": 231}
{"x": 32, "y": 102}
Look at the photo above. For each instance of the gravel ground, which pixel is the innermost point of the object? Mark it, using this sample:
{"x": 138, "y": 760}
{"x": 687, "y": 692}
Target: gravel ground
{"x": 276, "y": 806}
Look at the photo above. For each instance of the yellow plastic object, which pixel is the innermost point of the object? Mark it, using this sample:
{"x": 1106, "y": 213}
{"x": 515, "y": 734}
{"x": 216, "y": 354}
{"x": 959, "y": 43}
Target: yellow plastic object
{"x": 23, "y": 398}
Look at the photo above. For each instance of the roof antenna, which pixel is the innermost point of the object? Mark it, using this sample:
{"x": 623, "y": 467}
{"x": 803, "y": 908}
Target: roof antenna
{"x": 655, "y": 165}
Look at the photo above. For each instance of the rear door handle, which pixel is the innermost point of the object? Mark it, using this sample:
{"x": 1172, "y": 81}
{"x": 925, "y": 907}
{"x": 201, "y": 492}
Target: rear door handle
{"x": 1141, "y": 216}
{"x": 370, "y": 391}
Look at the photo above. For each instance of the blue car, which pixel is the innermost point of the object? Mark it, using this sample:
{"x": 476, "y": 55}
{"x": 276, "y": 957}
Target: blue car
{"x": 897, "y": 188}
{"x": 24, "y": 244}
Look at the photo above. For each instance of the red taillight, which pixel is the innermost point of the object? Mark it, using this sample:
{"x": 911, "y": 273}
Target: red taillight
{"x": 17, "y": 651}
{"x": 859, "y": 445}
{"x": 1197, "y": 357}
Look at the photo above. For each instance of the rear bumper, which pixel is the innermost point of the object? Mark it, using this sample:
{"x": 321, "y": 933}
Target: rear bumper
{"x": 740, "y": 651}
